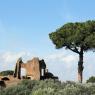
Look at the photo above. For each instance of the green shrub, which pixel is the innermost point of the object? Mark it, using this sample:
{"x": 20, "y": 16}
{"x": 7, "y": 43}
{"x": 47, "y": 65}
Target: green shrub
{"x": 50, "y": 87}
{"x": 44, "y": 91}
{"x": 5, "y": 73}
{"x": 91, "y": 80}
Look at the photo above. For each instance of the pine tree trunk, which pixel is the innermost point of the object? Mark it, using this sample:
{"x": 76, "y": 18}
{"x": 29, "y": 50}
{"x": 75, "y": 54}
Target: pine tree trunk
{"x": 80, "y": 67}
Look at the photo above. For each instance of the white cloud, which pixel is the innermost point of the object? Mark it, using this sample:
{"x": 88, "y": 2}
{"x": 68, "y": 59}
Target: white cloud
{"x": 67, "y": 59}
{"x": 8, "y": 59}
{"x": 63, "y": 64}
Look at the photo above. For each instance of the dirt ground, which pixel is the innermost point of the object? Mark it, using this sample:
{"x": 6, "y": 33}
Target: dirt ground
{"x": 12, "y": 82}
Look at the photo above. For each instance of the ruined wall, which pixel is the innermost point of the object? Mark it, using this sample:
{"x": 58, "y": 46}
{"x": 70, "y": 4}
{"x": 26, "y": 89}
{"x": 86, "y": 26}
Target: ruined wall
{"x": 32, "y": 68}
{"x": 17, "y": 72}
{"x": 35, "y": 69}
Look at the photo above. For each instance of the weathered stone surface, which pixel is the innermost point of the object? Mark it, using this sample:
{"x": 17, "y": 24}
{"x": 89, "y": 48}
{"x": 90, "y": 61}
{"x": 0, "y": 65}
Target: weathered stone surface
{"x": 32, "y": 68}
{"x": 17, "y": 72}
{"x": 35, "y": 69}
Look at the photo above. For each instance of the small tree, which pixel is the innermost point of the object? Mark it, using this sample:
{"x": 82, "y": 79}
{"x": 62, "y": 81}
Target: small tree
{"x": 77, "y": 37}
{"x": 91, "y": 79}
{"x": 7, "y": 72}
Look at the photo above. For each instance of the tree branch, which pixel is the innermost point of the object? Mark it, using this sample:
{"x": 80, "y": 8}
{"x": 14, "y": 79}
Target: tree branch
{"x": 73, "y": 49}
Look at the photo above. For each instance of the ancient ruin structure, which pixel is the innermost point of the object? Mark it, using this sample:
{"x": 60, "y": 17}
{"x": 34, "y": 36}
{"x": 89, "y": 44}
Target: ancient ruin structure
{"x": 17, "y": 72}
{"x": 35, "y": 69}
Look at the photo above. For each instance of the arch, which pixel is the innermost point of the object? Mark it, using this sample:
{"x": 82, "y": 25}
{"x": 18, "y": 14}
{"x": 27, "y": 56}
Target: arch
{"x": 23, "y": 72}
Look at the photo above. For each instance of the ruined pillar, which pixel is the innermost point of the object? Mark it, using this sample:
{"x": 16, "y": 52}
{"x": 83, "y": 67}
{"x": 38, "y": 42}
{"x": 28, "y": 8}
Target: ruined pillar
{"x": 17, "y": 72}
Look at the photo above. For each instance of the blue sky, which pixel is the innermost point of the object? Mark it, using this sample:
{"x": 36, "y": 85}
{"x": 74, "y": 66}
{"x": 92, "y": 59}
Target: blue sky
{"x": 24, "y": 29}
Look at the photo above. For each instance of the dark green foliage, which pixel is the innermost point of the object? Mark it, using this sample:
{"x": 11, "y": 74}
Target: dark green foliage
{"x": 75, "y": 35}
{"x": 50, "y": 87}
{"x": 91, "y": 80}
{"x": 5, "y": 73}
{"x": 23, "y": 88}
{"x": 2, "y": 85}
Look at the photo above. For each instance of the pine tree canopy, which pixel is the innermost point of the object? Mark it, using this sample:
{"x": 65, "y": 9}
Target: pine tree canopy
{"x": 74, "y": 36}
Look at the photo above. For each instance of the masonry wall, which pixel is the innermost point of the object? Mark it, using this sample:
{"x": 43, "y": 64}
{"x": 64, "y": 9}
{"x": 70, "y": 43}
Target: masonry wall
{"x": 32, "y": 68}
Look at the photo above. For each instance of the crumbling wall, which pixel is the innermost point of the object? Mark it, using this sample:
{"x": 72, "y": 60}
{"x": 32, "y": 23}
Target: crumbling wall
{"x": 32, "y": 68}
{"x": 17, "y": 72}
{"x": 35, "y": 69}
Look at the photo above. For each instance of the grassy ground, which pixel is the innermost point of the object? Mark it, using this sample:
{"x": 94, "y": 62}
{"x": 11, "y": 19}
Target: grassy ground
{"x": 48, "y": 87}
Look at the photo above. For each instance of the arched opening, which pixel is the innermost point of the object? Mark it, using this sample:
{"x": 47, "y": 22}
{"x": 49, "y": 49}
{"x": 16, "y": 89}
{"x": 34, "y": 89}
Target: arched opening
{"x": 23, "y": 73}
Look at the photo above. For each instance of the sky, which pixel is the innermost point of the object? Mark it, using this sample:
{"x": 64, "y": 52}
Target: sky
{"x": 24, "y": 32}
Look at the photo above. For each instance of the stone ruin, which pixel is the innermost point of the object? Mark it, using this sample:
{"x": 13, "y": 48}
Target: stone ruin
{"x": 35, "y": 69}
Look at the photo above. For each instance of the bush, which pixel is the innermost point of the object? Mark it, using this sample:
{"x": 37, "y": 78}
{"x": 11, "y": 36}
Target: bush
{"x": 50, "y": 87}
{"x": 91, "y": 80}
{"x": 5, "y": 73}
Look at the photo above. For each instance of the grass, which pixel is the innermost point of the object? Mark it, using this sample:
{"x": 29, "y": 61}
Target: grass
{"x": 49, "y": 87}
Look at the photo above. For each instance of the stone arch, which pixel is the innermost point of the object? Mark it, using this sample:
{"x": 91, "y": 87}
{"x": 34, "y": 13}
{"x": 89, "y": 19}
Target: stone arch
{"x": 32, "y": 69}
{"x": 23, "y": 72}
